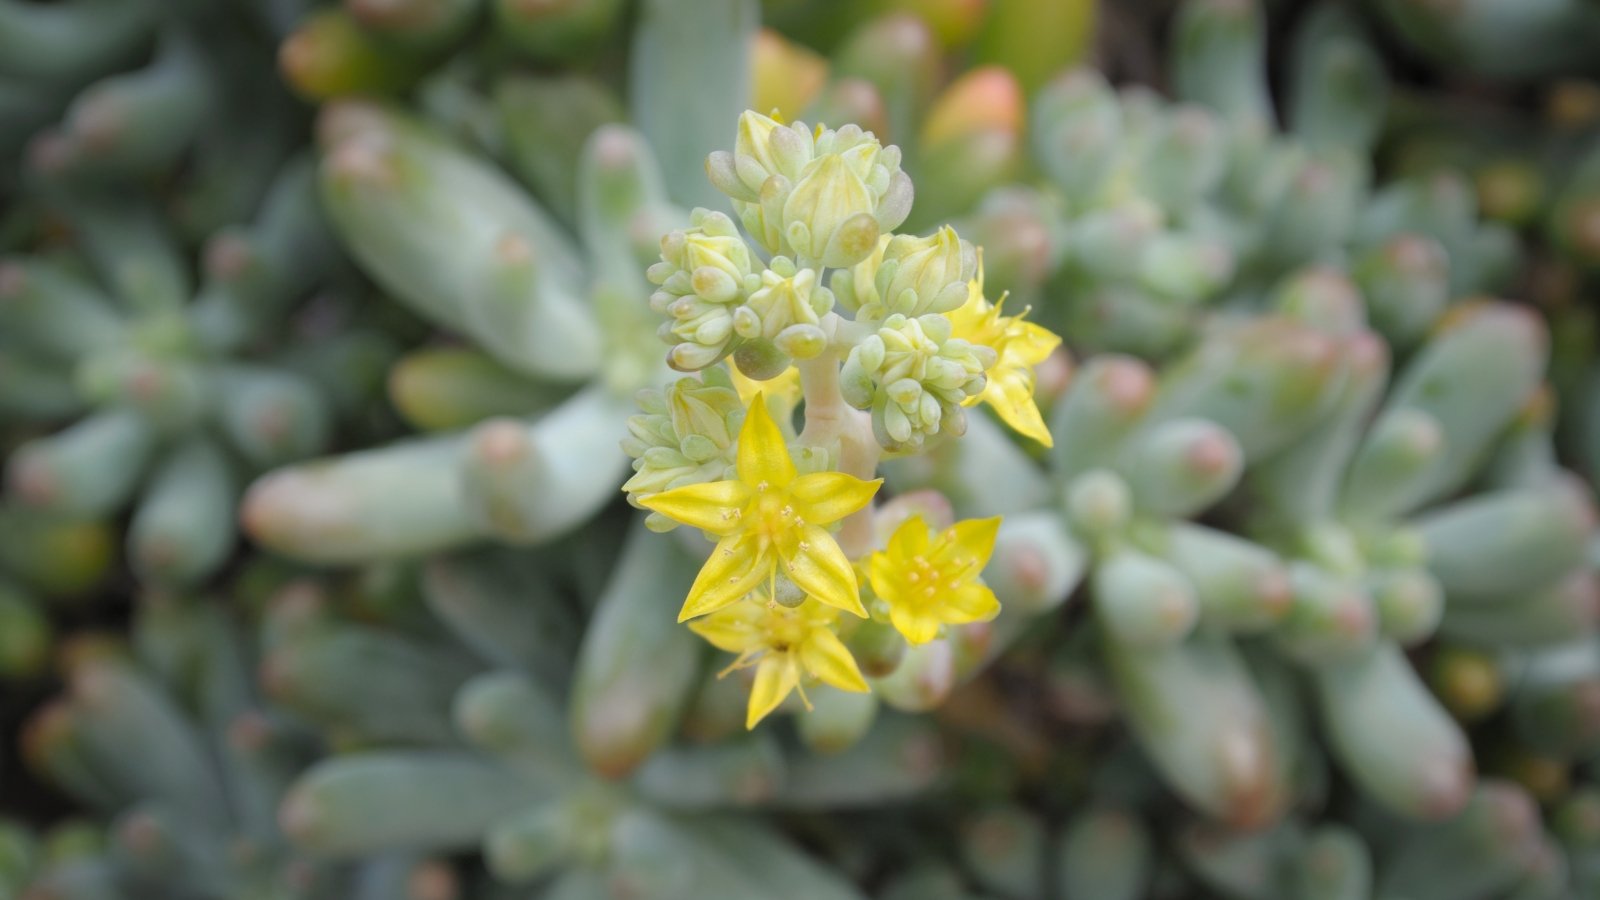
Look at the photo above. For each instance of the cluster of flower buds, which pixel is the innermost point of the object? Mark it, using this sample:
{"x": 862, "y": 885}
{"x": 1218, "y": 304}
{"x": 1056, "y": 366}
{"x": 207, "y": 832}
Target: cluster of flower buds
{"x": 880, "y": 341}
{"x": 685, "y": 436}
{"x": 822, "y": 197}
{"x": 909, "y": 275}
{"x": 703, "y": 277}
{"x": 914, "y": 375}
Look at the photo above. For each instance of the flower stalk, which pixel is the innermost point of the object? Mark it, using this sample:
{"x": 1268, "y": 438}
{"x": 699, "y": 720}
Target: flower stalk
{"x": 829, "y": 420}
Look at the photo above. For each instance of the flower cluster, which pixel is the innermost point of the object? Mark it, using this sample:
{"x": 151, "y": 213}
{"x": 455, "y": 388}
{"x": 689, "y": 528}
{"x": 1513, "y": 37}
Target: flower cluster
{"x": 880, "y": 342}
{"x": 685, "y": 436}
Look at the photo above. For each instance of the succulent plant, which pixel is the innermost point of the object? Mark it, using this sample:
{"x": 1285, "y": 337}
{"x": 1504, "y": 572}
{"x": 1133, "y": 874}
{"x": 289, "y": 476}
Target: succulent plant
{"x": 168, "y": 741}
{"x": 1535, "y": 172}
{"x": 46, "y": 564}
{"x": 1491, "y": 40}
{"x": 604, "y": 765}
{"x": 138, "y": 386}
{"x": 1108, "y": 495}
{"x": 532, "y": 419}
{"x": 1158, "y": 215}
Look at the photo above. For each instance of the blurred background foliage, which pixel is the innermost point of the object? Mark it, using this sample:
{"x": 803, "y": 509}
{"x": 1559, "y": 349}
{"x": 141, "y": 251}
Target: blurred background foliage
{"x": 319, "y": 328}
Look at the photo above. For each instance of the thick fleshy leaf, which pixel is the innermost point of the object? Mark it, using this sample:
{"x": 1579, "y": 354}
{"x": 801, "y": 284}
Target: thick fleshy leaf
{"x": 763, "y": 455}
{"x": 733, "y": 628}
{"x": 713, "y": 506}
{"x": 735, "y": 568}
{"x": 813, "y": 560}
{"x": 825, "y": 656}
{"x": 826, "y": 497}
{"x": 776, "y": 676}
{"x": 914, "y": 625}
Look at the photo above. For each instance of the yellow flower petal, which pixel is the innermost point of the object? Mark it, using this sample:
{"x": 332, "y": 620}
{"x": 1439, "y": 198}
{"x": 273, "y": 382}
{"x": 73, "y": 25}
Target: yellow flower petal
{"x": 910, "y": 539}
{"x": 763, "y": 455}
{"x": 1018, "y": 347}
{"x": 713, "y": 505}
{"x": 932, "y": 581}
{"x": 733, "y": 628}
{"x": 916, "y": 627}
{"x": 776, "y": 676}
{"x": 882, "y": 574}
{"x": 1028, "y": 343}
{"x": 825, "y": 656}
{"x": 783, "y": 391}
{"x": 966, "y": 320}
{"x": 826, "y": 497}
{"x": 970, "y": 543}
{"x": 735, "y": 568}
{"x": 1011, "y": 395}
{"x": 970, "y": 603}
{"x": 813, "y": 560}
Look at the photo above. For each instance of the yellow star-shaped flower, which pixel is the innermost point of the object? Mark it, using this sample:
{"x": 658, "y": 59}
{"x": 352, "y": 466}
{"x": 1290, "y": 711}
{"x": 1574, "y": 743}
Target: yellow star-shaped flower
{"x": 782, "y": 643}
{"x": 1018, "y": 347}
{"x": 931, "y": 579}
{"x": 769, "y": 515}
{"x": 784, "y": 390}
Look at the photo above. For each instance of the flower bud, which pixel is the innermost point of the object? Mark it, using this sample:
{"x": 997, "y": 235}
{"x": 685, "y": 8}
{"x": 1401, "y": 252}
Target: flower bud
{"x": 712, "y": 243}
{"x": 684, "y": 435}
{"x": 854, "y": 287}
{"x": 724, "y": 176}
{"x": 764, "y": 218}
{"x": 824, "y": 197}
{"x": 690, "y": 357}
{"x": 768, "y": 158}
{"x": 756, "y": 153}
{"x": 816, "y": 214}
{"x": 746, "y": 322}
{"x": 895, "y": 204}
{"x": 802, "y": 341}
{"x": 855, "y": 382}
{"x": 787, "y": 593}
{"x": 760, "y": 360}
{"x": 914, "y": 376}
{"x": 923, "y": 275}
{"x": 787, "y": 296}
{"x": 713, "y": 284}
{"x": 702, "y": 277}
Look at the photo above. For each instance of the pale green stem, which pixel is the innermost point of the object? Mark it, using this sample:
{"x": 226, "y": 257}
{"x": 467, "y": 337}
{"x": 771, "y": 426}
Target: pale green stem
{"x": 830, "y": 419}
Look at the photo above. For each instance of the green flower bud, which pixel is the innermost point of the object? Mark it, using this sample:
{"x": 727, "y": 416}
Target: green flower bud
{"x": 760, "y": 359}
{"x": 828, "y": 215}
{"x": 919, "y": 275}
{"x": 855, "y": 287}
{"x": 765, "y": 147}
{"x": 824, "y": 197}
{"x": 704, "y": 273}
{"x": 801, "y": 341}
{"x": 685, "y": 435}
{"x": 914, "y": 376}
{"x": 787, "y": 297}
{"x": 764, "y": 218}
{"x": 787, "y": 593}
{"x": 692, "y": 357}
{"x": 767, "y": 159}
